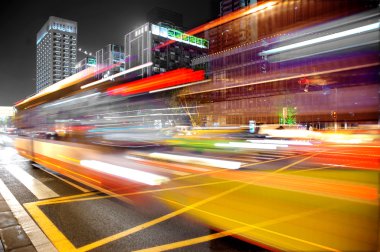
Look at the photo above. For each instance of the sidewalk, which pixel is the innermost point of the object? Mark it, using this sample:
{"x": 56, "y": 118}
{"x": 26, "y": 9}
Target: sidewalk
{"x": 13, "y": 237}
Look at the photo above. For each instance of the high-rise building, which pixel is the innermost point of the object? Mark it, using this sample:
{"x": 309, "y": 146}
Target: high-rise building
{"x": 111, "y": 57}
{"x": 56, "y": 51}
{"x": 149, "y": 43}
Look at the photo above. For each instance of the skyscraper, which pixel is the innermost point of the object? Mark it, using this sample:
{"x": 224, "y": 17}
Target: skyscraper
{"x": 56, "y": 51}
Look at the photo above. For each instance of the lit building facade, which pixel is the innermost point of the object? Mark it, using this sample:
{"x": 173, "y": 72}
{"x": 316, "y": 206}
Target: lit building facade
{"x": 111, "y": 58}
{"x": 268, "y": 82}
{"x": 228, "y": 6}
{"x": 56, "y": 51}
{"x": 150, "y": 43}
{"x": 85, "y": 63}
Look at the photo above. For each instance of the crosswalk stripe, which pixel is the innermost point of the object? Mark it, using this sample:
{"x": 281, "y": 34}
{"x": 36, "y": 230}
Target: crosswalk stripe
{"x": 36, "y": 236}
{"x": 36, "y": 187}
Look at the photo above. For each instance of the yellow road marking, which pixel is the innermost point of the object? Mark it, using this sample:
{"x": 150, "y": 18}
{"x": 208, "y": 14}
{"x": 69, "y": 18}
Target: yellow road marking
{"x": 52, "y": 201}
{"x": 80, "y": 188}
{"x": 246, "y": 227}
{"x": 196, "y": 240}
{"x": 63, "y": 244}
{"x": 250, "y": 164}
{"x": 63, "y": 199}
{"x": 143, "y": 226}
{"x": 274, "y": 160}
{"x": 58, "y": 239}
{"x": 70, "y": 171}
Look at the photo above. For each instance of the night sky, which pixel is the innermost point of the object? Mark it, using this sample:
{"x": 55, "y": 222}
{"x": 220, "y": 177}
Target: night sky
{"x": 99, "y": 23}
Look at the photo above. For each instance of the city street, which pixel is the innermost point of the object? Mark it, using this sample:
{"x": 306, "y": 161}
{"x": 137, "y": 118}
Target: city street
{"x": 203, "y": 125}
{"x": 194, "y": 210}
{"x": 84, "y": 216}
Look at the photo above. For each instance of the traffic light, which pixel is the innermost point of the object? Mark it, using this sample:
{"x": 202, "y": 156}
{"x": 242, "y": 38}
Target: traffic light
{"x": 333, "y": 114}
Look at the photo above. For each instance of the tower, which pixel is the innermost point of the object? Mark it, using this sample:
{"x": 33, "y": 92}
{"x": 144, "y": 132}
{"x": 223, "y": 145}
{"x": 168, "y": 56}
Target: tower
{"x": 56, "y": 51}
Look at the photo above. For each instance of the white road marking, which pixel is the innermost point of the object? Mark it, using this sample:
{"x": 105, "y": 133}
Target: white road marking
{"x": 64, "y": 180}
{"x": 36, "y": 236}
{"x": 40, "y": 190}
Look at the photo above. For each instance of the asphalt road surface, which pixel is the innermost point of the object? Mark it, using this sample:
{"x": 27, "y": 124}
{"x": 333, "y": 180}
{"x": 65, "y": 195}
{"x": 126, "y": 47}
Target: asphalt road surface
{"x": 318, "y": 199}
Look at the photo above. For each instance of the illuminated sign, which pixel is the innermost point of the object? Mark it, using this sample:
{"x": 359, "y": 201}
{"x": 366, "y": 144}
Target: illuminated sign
{"x": 179, "y": 36}
{"x": 91, "y": 61}
{"x": 63, "y": 27}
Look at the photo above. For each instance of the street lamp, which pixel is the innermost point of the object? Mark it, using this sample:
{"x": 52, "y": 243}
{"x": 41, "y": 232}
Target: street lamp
{"x": 84, "y": 51}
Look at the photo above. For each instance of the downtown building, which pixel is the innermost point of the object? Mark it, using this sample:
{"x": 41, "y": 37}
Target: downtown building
{"x": 164, "y": 45}
{"x": 109, "y": 60}
{"x": 251, "y": 81}
{"x": 56, "y": 51}
{"x": 228, "y": 6}
{"x": 88, "y": 61}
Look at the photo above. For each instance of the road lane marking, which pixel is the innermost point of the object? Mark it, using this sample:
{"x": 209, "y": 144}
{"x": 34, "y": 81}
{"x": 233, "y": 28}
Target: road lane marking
{"x": 36, "y": 187}
{"x": 60, "y": 178}
{"x": 165, "y": 217}
{"x": 68, "y": 170}
{"x": 245, "y": 165}
{"x": 245, "y": 227}
{"x": 55, "y": 235}
{"x": 62, "y": 242}
{"x": 36, "y": 236}
{"x": 71, "y": 199}
{"x": 52, "y": 232}
{"x": 274, "y": 160}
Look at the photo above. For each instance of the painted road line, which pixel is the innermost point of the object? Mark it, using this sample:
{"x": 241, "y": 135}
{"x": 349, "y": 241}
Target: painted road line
{"x": 185, "y": 209}
{"x": 86, "y": 197}
{"x": 60, "y": 178}
{"x": 36, "y": 187}
{"x": 36, "y": 236}
{"x": 275, "y": 160}
{"x": 55, "y": 235}
{"x": 245, "y": 227}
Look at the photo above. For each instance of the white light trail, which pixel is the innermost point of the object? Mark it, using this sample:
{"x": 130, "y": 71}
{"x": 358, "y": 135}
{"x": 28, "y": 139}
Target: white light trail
{"x": 117, "y": 75}
{"x": 342, "y": 34}
{"x": 123, "y": 172}
{"x": 74, "y": 99}
{"x": 197, "y": 160}
{"x": 247, "y": 145}
{"x": 281, "y": 142}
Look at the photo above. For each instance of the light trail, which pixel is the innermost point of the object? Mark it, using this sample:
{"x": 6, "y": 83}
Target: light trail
{"x": 136, "y": 68}
{"x": 342, "y": 34}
